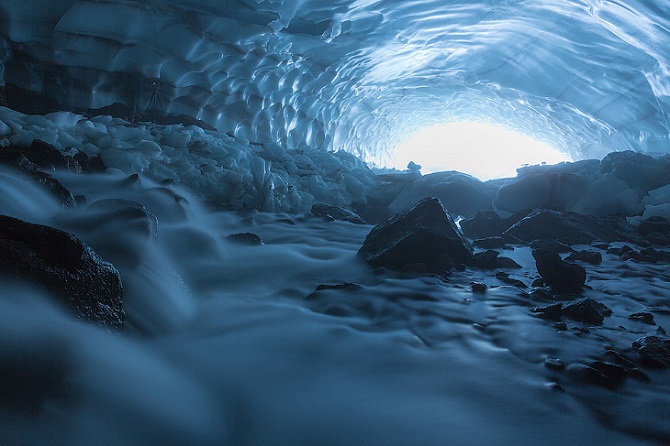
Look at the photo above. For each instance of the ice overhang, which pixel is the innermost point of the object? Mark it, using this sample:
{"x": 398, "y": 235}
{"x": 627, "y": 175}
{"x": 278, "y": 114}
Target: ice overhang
{"x": 591, "y": 76}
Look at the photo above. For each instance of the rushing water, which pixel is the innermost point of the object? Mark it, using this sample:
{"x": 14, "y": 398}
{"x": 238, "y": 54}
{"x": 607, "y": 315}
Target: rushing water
{"x": 231, "y": 344}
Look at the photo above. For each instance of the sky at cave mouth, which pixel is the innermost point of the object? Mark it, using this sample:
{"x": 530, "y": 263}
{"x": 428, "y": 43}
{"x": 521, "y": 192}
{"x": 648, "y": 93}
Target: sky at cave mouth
{"x": 481, "y": 149}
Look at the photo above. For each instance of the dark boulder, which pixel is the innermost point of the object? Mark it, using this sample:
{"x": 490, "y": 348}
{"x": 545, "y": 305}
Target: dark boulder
{"x": 45, "y": 155}
{"x": 18, "y": 161}
{"x": 561, "y": 276}
{"x": 60, "y": 263}
{"x": 592, "y": 257}
{"x": 653, "y": 351}
{"x": 550, "y": 245}
{"x": 485, "y": 260}
{"x": 490, "y": 242}
{"x": 551, "y": 312}
{"x": 489, "y": 224}
{"x": 505, "y": 278}
{"x": 644, "y": 317}
{"x": 586, "y": 310}
{"x": 654, "y": 224}
{"x": 336, "y": 213}
{"x": 573, "y": 229}
{"x": 423, "y": 239}
{"x": 245, "y": 238}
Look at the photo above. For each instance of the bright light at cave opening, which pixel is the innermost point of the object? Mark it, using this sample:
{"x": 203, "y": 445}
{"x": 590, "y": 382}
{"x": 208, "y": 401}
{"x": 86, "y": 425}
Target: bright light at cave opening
{"x": 483, "y": 150}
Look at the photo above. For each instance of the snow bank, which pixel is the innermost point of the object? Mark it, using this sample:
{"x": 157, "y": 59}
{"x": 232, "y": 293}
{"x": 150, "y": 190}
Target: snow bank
{"x": 224, "y": 170}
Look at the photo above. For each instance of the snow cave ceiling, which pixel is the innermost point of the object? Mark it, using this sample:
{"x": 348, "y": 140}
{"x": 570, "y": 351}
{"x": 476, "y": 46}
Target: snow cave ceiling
{"x": 590, "y": 76}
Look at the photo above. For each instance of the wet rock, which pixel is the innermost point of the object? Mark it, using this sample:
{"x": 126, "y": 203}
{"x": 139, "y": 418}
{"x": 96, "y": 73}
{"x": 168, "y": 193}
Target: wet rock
{"x": 572, "y": 229}
{"x": 489, "y": 224}
{"x": 613, "y": 372}
{"x": 507, "y": 263}
{"x": 632, "y": 370}
{"x": 89, "y": 286}
{"x": 505, "y": 278}
{"x": 654, "y": 224}
{"x": 554, "y": 364}
{"x": 551, "y": 312}
{"x": 484, "y": 260}
{"x": 423, "y": 239}
{"x": 336, "y": 213}
{"x": 245, "y": 238}
{"x": 550, "y": 245}
{"x": 340, "y": 286}
{"x": 589, "y": 375}
{"x": 560, "y": 326}
{"x": 653, "y": 351}
{"x": 592, "y": 257}
{"x": 478, "y": 287}
{"x": 561, "y": 276}
{"x": 644, "y": 317}
{"x": 45, "y": 155}
{"x": 490, "y": 242}
{"x": 19, "y": 162}
{"x": 587, "y": 310}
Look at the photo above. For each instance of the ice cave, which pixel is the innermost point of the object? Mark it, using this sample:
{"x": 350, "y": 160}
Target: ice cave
{"x": 214, "y": 229}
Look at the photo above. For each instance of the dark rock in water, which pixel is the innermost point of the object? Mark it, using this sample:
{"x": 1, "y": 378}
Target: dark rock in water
{"x": 646, "y": 255}
{"x": 340, "y": 286}
{"x": 653, "y": 351}
{"x": 587, "y": 310}
{"x": 632, "y": 370}
{"x": 554, "y": 364}
{"x": 573, "y": 229}
{"x": 19, "y": 162}
{"x": 245, "y": 238}
{"x": 561, "y": 276}
{"x": 489, "y": 224}
{"x": 490, "y": 242}
{"x": 89, "y": 286}
{"x": 589, "y": 375}
{"x": 45, "y": 155}
{"x": 538, "y": 283}
{"x": 655, "y": 224}
{"x": 644, "y": 317}
{"x": 507, "y": 263}
{"x": 550, "y": 245}
{"x": 560, "y": 326}
{"x": 614, "y": 373}
{"x": 505, "y": 278}
{"x": 595, "y": 258}
{"x": 423, "y": 239}
{"x": 478, "y": 287}
{"x": 484, "y": 260}
{"x": 336, "y": 213}
{"x": 551, "y": 312}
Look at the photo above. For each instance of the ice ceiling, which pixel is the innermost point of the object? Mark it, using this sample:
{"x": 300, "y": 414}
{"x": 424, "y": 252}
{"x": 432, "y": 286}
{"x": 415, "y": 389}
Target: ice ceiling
{"x": 591, "y": 76}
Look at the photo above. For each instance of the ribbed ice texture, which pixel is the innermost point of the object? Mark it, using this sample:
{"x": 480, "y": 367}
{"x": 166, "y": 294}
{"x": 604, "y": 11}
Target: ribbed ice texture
{"x": 591, "y": 76}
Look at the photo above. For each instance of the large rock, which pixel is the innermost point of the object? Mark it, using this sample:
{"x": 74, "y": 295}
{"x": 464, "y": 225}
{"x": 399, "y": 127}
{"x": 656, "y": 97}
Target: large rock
{"x": 489, "y": 224}
{"x": 562, "y": 276}
{"x": 331, "y": 212}
{"x": 587, "y": 310}
{"x": 654, "y": 351}
{"x": 424, "y": 239}
{"x": 70, "y": 270}
{"x": 18, "y": 161}
{"x": 571, "y": 228}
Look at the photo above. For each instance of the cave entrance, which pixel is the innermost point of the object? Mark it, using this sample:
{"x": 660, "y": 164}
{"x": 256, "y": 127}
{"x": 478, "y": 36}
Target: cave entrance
{"x": 483, "y": 150}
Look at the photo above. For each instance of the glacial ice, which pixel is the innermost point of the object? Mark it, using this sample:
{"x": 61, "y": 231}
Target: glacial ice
{"x": 298, "y": 341}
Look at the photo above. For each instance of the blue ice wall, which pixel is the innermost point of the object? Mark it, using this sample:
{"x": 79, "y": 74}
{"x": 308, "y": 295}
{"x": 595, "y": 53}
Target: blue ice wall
{"x": 591, "y": 76}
